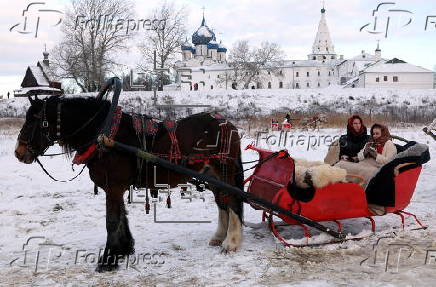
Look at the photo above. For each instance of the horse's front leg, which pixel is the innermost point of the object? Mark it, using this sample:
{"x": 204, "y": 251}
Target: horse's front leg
{"x": 234, "y": 230}
{"x": 221, "y": 232}
{"x": 119, "y": 240}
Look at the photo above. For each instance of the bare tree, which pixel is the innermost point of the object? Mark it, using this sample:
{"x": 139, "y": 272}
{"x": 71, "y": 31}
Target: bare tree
{"x": 250, "y": 63}
{"x": 93, "y": 32}
{"x": 166, "y": 40}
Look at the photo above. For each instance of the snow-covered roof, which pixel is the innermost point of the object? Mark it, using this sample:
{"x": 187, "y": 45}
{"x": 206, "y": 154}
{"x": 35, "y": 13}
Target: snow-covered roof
{"x": 39, "y": 76}
{"x": 310, "y": 63}
{"x": 362, "y": 65}
{"x": 29, "y": 90}
{"x": 397, "y": 68}
{"x": 364, "y": 57}
{"x": 350, "y": 82}
{"x": 48, "y": 71}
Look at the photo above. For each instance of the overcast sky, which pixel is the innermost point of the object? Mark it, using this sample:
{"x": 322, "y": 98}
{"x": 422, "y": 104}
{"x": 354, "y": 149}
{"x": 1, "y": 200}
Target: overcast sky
{"x": 291, "y": 23}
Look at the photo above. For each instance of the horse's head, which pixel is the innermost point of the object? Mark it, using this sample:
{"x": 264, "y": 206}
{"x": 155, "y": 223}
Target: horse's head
{"x": 34, "y": 137}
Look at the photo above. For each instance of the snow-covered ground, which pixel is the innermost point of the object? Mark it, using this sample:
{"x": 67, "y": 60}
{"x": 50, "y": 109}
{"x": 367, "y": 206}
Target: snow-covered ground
{"x": 169, "y": 254}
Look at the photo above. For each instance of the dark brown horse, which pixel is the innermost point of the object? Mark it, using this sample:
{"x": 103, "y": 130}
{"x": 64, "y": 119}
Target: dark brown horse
{"x": 76, "y": 122}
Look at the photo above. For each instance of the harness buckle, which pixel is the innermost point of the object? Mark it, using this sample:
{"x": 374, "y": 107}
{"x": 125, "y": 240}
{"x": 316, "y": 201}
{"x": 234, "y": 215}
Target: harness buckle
{"x": 45, "y": 124}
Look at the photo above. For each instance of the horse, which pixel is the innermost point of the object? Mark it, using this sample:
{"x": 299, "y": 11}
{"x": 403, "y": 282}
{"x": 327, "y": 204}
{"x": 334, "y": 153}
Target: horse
{"x": 313, "y": 122}
{"x": 75, "y": 123}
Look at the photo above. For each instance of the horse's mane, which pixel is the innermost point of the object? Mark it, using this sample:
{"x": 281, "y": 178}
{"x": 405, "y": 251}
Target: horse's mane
{"x": 85, "y": 103}
{"x": 80, "y": 109}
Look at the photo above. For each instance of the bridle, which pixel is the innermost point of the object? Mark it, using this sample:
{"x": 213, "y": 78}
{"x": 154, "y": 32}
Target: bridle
{"x": 45, "y": 134}
{"x": 113, "y": 83}
{"x": 45, "y": 130}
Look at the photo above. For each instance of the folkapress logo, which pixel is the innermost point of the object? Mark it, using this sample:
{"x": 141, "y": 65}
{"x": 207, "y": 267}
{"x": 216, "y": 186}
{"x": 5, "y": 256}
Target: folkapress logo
{"x": 38, "y": 254}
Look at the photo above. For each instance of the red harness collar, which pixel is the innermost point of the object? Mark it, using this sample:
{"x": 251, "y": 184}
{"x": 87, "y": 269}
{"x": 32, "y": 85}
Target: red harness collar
{"x": 83, "y": 157}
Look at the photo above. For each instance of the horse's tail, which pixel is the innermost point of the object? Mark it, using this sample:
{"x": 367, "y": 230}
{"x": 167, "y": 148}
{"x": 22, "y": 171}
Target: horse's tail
{"x": 239, "y": 182}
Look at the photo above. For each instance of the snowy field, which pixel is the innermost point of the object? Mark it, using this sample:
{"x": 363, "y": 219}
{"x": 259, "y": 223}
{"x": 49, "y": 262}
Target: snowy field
{"x": 70, "y": 220}
{"x": 243, "y": 103}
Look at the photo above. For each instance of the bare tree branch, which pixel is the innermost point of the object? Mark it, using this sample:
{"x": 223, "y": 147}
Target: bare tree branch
{"x": 248, "y": 63}
{"x": 91, "y": 41}
{"x": 166, "y": 40}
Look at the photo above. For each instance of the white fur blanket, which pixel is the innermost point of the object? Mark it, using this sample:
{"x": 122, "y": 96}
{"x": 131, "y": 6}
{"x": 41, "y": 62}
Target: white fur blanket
{"x": 321, "y": 174}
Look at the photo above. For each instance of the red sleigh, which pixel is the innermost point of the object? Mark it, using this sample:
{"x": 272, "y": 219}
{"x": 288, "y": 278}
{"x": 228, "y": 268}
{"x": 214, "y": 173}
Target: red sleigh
{"x": 272, "y": 181}
{"x": 275, "y": 126}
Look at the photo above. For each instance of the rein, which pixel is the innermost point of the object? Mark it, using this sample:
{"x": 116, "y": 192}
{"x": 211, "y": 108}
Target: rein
{"x": 49, "y": 175}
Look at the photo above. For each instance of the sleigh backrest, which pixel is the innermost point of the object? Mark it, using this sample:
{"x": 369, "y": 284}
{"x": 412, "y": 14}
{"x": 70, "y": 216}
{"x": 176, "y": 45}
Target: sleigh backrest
{"x": 392, "y": 191}
{"x": 270, "y": 176}
{"x": 405, "y": 184}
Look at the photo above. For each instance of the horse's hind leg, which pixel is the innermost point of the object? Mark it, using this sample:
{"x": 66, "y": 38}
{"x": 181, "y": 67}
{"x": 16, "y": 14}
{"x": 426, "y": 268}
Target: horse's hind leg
{"x": 119, "y": 240}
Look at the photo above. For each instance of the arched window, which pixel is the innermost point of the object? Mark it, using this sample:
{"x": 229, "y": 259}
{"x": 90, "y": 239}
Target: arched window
{"x": 297, "y": 85}
{"x": 319, "y": 74}
{"x": 319, "y": 85}
{"x": 269, "y": 85}
{"x": 258, "y": 85}
{"x": 211, "y": 87}
{"x": 234, "y": 85}
{"x": 195, "y": 87}
{"x": 281, "y": 85}
{"x": 307, "y": 85}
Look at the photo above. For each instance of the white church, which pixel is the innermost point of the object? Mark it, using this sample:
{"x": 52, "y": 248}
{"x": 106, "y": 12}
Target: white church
{"x": 204, "y": 66}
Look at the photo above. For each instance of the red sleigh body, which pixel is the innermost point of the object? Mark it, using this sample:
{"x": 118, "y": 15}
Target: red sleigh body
{"x": 330, "y": 203}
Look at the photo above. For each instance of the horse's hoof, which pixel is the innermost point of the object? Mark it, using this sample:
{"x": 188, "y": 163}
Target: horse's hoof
{"x": 228, "y": 247}
{"x": 227, "y": 250}
{"x": 215, "y": 242}
{"x": 105, "y": 268}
